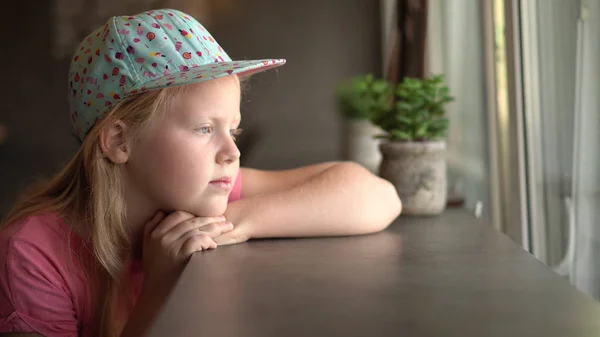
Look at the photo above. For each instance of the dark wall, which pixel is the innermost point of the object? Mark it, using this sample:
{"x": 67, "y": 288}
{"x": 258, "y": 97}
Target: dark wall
{"x": 289, "y": 114}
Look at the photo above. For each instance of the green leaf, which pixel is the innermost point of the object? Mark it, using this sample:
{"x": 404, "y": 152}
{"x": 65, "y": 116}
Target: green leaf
{"x": 402, "y": 92}
{"x": 413, "y": 110}
{"x": 361, "y": 96}
{"x": 446, "y": 99}
{"x": 404, "y": 106}
{"x": 421, "y": 132}
{"x": 444, "y": 91}
{"x": 437, "y": 135}
{"x": 379, "y": 87}
{"x": 439, "y": 124}
{"x": 400, "y": 135}
{"x": 404, "y": 120}
{"x": 420, "y": 116}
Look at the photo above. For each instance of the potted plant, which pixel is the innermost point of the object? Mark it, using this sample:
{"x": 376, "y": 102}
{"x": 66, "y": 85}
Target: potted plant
{"x": 414, "y": 148}
{"x": 358, "y": 99}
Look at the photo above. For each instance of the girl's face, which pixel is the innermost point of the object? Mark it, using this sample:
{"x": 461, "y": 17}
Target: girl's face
{"x": 187, "y": 160}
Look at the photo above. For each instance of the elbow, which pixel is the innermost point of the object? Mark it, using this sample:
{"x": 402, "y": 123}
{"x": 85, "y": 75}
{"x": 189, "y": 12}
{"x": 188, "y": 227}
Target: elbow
{"x": 380, "y": 200}
{"x": 393, "y": 198}
{"x": 390, "y": 206}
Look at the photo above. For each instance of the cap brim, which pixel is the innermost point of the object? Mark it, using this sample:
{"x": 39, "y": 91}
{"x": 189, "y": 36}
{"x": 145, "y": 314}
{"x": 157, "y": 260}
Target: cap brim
{"x": 189, "y": 75}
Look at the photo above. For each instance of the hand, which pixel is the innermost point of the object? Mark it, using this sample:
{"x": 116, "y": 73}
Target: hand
{"x": 231, "y": 238}
{"x": 242, "y": 230}
{"x": 170, "y": 241}
{"x": 238, "y": 213}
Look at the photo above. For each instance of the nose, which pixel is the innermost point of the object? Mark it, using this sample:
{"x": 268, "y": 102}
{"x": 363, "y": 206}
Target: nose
{"x": 228, "y": 152}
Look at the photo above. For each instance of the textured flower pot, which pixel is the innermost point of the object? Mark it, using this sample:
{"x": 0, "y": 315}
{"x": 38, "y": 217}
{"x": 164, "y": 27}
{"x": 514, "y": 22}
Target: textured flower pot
{"x": 418, "y": 171}
{"x": 359, "y": 144}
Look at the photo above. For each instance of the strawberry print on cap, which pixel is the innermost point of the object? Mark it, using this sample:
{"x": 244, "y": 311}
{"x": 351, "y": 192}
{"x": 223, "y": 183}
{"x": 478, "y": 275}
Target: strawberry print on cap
{"x": 147, "y": 51}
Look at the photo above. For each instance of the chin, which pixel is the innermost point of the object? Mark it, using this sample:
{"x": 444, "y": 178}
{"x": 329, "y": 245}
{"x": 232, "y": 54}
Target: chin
{"x": 210, "y": 208}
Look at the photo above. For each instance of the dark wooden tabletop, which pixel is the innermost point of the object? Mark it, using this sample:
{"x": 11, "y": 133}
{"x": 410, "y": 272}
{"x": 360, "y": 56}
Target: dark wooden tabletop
{"x": 442, "y": 276}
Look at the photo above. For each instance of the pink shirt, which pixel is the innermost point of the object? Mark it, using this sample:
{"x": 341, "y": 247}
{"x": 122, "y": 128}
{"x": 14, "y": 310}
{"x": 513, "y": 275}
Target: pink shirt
{"x": 42, "y": 286}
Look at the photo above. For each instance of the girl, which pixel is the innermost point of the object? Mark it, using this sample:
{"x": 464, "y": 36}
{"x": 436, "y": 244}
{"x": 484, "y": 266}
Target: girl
{"x": 155, "y": 103}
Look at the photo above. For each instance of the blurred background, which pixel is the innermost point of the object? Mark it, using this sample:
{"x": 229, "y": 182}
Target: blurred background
{"x": 523, "y": 136}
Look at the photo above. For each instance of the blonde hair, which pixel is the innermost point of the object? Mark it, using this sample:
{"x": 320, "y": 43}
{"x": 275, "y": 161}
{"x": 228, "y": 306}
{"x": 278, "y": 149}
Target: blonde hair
{"x": 88, "y": 191}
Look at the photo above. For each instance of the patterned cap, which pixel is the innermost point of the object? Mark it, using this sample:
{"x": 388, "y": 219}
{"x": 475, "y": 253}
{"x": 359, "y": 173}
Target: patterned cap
{"x": 147, "y": 51}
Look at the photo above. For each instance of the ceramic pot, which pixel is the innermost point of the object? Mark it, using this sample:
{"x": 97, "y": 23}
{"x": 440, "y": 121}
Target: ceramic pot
{"x": 359, "y": 144}
{"x": 418, "y": 171}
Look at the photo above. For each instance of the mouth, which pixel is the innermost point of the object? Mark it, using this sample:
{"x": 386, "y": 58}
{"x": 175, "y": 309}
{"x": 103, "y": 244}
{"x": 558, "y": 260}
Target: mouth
{"x": 223, "y": 183}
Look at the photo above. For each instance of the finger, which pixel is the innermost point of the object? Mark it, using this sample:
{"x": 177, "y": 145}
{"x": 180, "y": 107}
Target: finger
{"x": 230, "y": 238}
{"x": 151, "y": 225}
{"x": 197, "y": 222}
{"x": 197, "y": 243}
{"x": 169, "y": 222}
{"x": 212, "y": 230}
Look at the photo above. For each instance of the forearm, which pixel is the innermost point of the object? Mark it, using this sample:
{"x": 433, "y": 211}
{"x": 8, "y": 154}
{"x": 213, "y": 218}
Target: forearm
{"x": 344, "y": 199}
{"x": 265, "y": 182}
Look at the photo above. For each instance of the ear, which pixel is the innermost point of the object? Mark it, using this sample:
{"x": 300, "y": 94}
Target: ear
{"x": 113, "y": 142}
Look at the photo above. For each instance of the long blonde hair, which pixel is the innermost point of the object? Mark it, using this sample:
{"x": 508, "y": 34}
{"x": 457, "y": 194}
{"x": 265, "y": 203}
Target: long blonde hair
{"x": 88, "y": 192}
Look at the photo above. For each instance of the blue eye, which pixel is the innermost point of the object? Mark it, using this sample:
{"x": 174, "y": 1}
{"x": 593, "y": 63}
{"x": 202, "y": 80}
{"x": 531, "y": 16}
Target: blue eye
{"x": 235, "y": 133}
{"x": 205, "y": 130}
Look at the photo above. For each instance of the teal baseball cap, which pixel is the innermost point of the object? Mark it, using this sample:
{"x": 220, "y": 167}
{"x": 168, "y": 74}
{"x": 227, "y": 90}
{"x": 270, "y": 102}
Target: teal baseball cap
{"x": 147, "y": 51}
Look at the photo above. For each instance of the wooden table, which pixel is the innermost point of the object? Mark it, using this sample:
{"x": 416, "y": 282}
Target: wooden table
{"x": 444, "y": 276}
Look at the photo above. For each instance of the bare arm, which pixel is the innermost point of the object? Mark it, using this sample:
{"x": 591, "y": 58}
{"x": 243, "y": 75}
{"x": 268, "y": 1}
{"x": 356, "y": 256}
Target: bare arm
{"x": 257, "y": 182}
{"x": 342, "y": 199}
